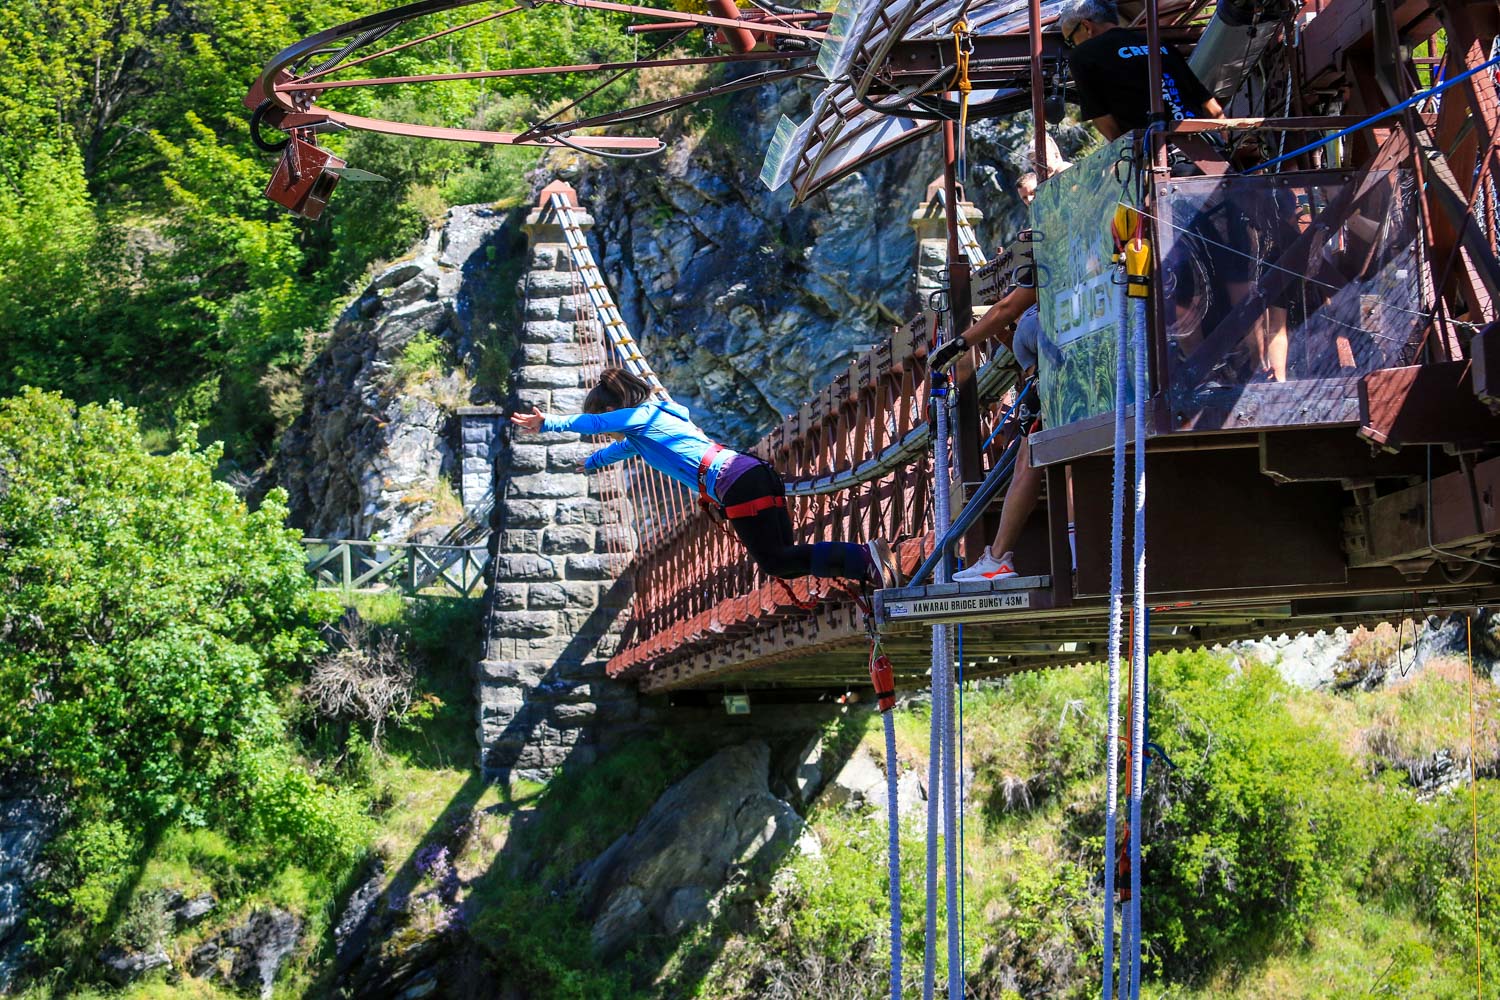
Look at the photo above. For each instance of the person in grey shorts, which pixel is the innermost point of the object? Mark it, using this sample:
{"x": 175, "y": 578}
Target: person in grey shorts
{"x": 1020, "y": 307}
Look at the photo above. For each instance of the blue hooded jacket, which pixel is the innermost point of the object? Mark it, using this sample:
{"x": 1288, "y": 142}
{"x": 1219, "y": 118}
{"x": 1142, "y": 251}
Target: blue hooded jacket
{"x": 659, "y": 431}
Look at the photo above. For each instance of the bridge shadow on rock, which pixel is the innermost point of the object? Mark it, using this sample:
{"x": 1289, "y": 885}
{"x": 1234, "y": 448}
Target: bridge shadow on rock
{"x": 629, "y": 876}
{"x": 537, "y": 715}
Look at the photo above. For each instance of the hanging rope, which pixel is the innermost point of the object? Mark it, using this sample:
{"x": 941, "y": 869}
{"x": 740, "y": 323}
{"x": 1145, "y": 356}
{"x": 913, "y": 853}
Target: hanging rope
{"x": 1474, "y": 796}
{"x": 883, "y": 677}
{"x": 963, "y": 946}
{"x": 941, "y": 746}
{"x": 1137, "y": 267}
{"x": 950, "y": 815}
{"x": 1116, "y": 574}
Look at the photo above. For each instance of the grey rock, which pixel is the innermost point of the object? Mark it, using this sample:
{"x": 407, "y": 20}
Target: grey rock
{"x": 546, "y": 485}
{"x": 859, "y": 781}
{"x": 421, "y": 989}
{"x": 260, "y": 946}
{"x": 529, "y": 513}
{"x": 594, "y": 567}
{"x": 568, "y": 538}
{"x": 123, "y": 967}
{"x": 720, "y": 819}
{"x": 580, "y": 510}
{"x": 547, "y": 332}
{"x": 359, "y": 461}
{"x": 396, "y": 274}
{"x": 352, "y": 932}
{"x": 525, "y": 568}
{"x": 528, "y": 458}
{"x": 522, "y": 624}
{"x": 546, "y": 377}
{"x": 806, "y": 779}
{"x": 520, "y": 540}
{"x": 191, "y": 911}
{"x": 527, "y": 672}
{"x": 28, "y": 821}
{"x": 509, "y": 596}
{"x": 685, "y": 908}
{"x": 568, "y": 400}
{"x": 547, "y": 597}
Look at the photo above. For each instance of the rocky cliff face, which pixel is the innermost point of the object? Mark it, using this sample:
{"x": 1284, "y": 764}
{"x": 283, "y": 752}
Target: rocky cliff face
{"x": 368, "y": 454}
{"x": 27, "y": 822}
{"x": 745, "y": 304}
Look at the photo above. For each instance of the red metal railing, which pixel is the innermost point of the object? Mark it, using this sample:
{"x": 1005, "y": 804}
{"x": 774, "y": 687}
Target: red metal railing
{"x": 696, "y": 586}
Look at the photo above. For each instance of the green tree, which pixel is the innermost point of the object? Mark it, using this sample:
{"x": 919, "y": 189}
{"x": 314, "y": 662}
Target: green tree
{"x": 149, "y": 620}
{"x": 1259, "y": 820}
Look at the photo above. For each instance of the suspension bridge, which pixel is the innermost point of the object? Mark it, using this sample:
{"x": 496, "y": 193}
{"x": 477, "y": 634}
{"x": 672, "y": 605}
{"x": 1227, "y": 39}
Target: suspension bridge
{"x": 1298, "y": 350}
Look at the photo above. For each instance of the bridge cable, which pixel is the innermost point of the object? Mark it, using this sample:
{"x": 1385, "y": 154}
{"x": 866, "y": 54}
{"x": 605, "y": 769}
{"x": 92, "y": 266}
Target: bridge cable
{"x": 615, "y": 330}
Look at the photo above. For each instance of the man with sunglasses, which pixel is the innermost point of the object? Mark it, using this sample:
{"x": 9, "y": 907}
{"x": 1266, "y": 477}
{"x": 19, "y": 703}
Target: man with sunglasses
{"x": 1109, "y": 65}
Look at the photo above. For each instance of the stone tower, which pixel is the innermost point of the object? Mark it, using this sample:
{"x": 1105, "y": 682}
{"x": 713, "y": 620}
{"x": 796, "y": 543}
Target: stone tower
{"x": 558, "y": 602}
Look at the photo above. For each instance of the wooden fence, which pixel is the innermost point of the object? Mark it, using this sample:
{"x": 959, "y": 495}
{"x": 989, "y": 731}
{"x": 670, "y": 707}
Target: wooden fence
{"x": 351, "y": 565}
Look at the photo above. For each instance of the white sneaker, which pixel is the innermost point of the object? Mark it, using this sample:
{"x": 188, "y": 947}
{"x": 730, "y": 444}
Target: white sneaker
{"x": 987, "y": 568}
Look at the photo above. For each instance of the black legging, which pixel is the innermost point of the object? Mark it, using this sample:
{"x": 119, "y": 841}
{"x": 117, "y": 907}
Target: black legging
{"x": 768, "y": 535}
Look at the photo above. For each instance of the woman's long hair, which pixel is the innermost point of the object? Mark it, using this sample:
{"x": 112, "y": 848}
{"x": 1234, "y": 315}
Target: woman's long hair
{"x": 617, "y": 389}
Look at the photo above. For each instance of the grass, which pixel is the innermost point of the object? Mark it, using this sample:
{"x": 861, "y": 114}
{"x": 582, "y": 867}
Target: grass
{"x": 1398, "y": 924}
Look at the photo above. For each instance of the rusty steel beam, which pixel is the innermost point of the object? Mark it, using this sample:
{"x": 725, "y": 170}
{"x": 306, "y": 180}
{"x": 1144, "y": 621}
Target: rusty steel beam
{"x": 1425, "y": 404}
{"x": 1445, "y": 520}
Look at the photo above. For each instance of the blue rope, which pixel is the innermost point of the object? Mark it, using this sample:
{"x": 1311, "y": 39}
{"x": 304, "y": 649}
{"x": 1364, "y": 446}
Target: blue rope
{"x": 950, "y": 811}
{"x": 941, "y": 678}
{"x": 1000, "y": 424}
{"x": 1139, "y": 652}
{"x": 963, "y": 944}
{"x": 1378, "y": 116}
{"x": 1116, "y": 586}
{"x": 934, "y": 775}
{"x": 893, "y": 855}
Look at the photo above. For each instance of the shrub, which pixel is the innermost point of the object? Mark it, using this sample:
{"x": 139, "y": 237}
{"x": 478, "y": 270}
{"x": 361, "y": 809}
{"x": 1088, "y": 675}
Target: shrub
{"x": 368, "y": 678}
{"x": 148, "y": 614}
{"x": 151, "y": 623}
{"x": 1257, "y": 823}
{"x": 422, "y": 358}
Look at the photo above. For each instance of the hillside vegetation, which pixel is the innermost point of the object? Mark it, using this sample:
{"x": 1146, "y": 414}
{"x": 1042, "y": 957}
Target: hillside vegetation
{"x": 138, "y": 259}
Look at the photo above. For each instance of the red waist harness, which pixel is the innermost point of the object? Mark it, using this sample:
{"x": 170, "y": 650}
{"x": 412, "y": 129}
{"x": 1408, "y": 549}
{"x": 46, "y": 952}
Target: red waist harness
{"x": 735, "y": 511}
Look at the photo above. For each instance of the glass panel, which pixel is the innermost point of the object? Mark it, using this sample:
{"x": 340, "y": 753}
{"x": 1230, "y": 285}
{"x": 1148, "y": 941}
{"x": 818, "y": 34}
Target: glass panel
{"x": 1079, "y": 301}
{"x": 1275, "y": 281}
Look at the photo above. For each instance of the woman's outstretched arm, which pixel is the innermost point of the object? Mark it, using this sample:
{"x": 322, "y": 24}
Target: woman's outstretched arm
{"x": 616, "y": 451}
{"x": 611, "y": 422}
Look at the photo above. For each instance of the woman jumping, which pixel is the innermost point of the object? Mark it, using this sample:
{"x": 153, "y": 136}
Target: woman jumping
{"x": 747, "y": 490}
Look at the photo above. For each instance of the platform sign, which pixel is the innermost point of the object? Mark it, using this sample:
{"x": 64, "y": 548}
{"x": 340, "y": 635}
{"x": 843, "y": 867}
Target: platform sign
{"x": 1076, "y": 293}
{"x": 964, "y": 605}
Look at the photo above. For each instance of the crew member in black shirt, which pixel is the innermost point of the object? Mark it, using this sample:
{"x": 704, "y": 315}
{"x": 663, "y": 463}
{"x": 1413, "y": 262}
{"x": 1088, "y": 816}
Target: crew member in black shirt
{"x": 1110, "y": 67}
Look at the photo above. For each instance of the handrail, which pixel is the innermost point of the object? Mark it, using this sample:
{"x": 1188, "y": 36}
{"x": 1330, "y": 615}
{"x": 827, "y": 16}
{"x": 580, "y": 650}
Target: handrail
{"x": 308, "y": 540}
{"x": 415, "y": 566}
{"x": 992, "y": 381}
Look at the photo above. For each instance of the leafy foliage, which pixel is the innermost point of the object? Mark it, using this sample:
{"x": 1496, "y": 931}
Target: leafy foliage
{"x": 138, "y": 260}
{"x": 150, "y": 621}
{"x": 1255, "y": 827}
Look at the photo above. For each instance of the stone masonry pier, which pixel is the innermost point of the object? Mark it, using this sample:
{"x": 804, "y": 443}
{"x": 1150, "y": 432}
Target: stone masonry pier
{"x": 557, "y": 604}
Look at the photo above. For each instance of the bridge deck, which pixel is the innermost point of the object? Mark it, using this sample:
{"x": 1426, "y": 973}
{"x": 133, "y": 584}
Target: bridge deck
{"x": 1011, "y": 627}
